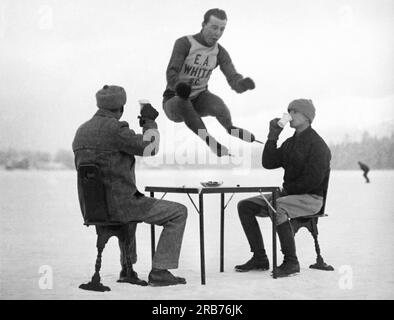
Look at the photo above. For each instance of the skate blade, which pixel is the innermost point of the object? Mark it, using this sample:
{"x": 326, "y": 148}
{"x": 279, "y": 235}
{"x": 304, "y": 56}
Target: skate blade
{"x": 164, "y": 284}
{"x": 286, "y": 276}
{"x": 137, "y": 282}
{"x": 257, "y": 269}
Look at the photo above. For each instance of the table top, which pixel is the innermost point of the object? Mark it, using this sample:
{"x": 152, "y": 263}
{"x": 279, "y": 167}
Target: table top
{"x": 206, "y": 190}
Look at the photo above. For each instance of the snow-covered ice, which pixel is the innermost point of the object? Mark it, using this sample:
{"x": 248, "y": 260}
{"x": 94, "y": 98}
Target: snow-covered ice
{"x": 42, "y": 230}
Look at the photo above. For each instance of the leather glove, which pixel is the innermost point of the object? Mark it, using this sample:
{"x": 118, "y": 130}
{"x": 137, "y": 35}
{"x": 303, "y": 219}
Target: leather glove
{"x": 147, "y": 113}
{"x": 183, "y": 90}
{"x": 141, "y": 121}
{"x": 246, "y": 84}
{"x": 275, "y": 130}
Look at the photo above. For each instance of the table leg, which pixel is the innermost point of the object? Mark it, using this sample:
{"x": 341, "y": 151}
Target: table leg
{"x": 152, "y": 233}
{"x": 274, "y": 263}
{"x": 202, "y": 251}
{"x": 221, "y": 232}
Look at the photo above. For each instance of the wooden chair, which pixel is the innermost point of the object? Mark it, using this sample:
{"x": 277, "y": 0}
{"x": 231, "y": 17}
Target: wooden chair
{"x": 310, "y": 223}
{"x": 92, "y": 199}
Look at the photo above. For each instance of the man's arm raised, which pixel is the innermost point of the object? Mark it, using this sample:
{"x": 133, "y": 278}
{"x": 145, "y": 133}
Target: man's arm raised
{"x": 236, "y": 81}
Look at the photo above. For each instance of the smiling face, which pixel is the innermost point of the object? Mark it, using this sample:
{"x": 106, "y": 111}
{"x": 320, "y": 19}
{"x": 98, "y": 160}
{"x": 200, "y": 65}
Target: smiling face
{"x": 213, "y": 30}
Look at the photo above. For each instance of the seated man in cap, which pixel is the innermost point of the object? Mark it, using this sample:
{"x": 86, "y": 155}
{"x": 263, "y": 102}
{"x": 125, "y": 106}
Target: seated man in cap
{"x": 112, "y": 145}
{"x": 305, "y": 158}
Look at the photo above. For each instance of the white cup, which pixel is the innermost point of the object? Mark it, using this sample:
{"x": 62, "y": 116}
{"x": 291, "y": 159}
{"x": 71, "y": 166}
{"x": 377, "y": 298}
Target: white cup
{"x": 143, "y": 102}
{"x": 284, "y": 120}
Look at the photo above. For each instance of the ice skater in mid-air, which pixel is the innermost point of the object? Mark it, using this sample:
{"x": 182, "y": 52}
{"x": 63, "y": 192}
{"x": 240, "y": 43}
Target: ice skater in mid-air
{"x": 187, "y": 98}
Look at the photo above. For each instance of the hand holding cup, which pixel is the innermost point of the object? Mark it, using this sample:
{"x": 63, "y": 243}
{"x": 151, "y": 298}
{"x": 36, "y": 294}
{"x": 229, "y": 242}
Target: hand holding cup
{"x": 274, "y": 129}
{"x": 147, "y": 111}
{"x": 284, "y": 120}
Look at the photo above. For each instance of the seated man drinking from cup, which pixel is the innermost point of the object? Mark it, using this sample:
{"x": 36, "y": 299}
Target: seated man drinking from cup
{"x": 113, "y": 146}
{"x": 305, "y": 157}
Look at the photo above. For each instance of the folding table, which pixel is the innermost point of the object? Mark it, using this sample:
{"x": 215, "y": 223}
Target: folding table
{"x": 201, "y": 191}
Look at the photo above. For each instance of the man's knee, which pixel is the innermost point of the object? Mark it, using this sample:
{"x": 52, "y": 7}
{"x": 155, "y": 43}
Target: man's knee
{"x": 245, "y": 208}
{"x": 173, "y": 108}
{"x": 181, "y": 211}
{"x": 281, "y": 216}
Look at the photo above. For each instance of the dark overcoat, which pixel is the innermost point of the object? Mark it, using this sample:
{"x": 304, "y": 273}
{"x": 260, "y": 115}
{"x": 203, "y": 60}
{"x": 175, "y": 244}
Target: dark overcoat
{"x": 112, "y": 145}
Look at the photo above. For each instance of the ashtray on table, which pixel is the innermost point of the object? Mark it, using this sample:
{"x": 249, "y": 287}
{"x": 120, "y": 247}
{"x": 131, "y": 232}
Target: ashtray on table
{"x": 212, "y": 183}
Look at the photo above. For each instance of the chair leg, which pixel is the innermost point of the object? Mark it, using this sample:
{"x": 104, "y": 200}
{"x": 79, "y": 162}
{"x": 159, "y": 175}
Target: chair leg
{"x": 320, "y": 264}
{"x": 95, "y": 284}
{"x": 126, "y": 242}
{"x": 127, "y": 245}
{"x": 152, "y": 239}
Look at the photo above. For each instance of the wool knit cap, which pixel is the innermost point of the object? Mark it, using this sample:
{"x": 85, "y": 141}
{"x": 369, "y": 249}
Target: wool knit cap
{"x": 304, "y": 106}
{"x": 111, "y": 97}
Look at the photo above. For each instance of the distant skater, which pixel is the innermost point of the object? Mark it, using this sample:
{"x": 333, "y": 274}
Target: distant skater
{"x": 364, "y": 168}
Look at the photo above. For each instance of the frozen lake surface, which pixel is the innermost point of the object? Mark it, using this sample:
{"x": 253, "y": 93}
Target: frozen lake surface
{"x": 41, "y": 231}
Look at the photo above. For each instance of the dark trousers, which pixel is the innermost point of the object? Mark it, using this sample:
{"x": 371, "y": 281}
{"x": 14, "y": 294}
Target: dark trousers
{"x": 247, "y": 211}
{"x": 191, "y": 111}
{"x": 366, "y": 176}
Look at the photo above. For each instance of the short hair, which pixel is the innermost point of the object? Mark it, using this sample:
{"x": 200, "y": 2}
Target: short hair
{"x": 218, "y": 13}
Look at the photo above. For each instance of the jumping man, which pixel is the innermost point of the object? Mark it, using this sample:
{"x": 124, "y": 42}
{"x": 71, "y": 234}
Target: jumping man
{"x": 187, "y": 98}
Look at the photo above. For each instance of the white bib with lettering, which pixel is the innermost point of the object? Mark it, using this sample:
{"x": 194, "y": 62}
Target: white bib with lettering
{"x": 198, "y": 66}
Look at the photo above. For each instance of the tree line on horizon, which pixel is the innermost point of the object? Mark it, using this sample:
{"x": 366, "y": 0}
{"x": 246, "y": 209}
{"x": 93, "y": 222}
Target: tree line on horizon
{"x": 377, "y": 153}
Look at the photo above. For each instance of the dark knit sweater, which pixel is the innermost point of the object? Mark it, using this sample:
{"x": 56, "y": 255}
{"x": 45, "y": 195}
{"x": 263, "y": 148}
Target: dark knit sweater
{"x": 306, "y": 160}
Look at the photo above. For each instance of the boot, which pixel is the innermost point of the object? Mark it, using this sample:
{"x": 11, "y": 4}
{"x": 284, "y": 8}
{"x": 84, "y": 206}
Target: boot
{"x": 259, "y": 261}
{"x": 287, "y": 268}
{"x": 242, "y": 134}
{"x": 160, "y": 278}
{"x": 217, "y": 148}
{"x": 290, "y": 263}
{"x": 130, "y": 276}
{"x": 220, "y": 150}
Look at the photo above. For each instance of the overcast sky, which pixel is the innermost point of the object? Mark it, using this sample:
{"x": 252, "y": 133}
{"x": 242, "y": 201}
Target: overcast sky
{"x": 54, "y": 56}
